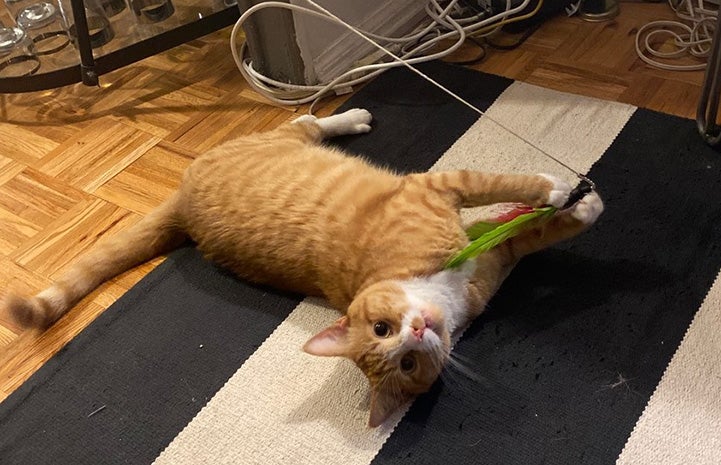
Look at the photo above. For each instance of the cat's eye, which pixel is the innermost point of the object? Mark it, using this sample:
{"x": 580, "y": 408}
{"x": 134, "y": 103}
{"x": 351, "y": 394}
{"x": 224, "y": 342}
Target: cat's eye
{"x": 408, "y": 363}
{"x": 382, "y": 329}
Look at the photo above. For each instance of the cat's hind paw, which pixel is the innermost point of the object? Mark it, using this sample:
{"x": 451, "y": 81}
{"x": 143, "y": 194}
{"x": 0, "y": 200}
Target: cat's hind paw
{"x": 354, "y": 121}
{"x": 588, "y": 209}
{"x": 357, "y": 120}
{"x": 560, "y": 190}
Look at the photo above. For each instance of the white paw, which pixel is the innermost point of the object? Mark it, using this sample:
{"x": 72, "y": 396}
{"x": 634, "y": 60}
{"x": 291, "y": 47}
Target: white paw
{"x": 355, "y": 121}
{"x": 357, "y": 116}
{"x": 559, "y": 192}
{"x": 360, "y": 129}
{"x": 588, "y": 209}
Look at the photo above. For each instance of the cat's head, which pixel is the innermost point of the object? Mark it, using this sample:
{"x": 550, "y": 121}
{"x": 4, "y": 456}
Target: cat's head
{"x": 399, "y": 341}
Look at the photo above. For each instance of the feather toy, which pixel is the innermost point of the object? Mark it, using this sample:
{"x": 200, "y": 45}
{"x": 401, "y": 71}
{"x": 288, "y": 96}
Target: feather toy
{"x": 486, "y": 235}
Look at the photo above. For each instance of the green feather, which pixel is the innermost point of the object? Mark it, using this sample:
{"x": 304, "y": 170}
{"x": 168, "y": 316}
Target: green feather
{"x": 485, "y": 236}
{"x": 479, "y": 229}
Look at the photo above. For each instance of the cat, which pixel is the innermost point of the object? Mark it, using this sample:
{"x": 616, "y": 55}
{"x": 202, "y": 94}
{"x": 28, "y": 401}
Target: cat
{"x": 283, "y": 209}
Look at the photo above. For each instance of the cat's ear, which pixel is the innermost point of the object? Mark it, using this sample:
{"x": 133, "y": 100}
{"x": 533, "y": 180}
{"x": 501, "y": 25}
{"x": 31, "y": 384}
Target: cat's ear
{"x": 332, "y": 341}
{"x": 383, "y": 405}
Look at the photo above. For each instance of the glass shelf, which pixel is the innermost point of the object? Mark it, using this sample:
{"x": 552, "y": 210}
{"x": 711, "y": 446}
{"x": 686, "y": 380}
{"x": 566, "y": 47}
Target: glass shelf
{"x": 120, "y": 32}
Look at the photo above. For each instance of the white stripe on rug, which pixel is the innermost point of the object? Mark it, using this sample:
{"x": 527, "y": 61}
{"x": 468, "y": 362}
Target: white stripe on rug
{"x": 574, "y": 129}
{"x": 682, "y": 422}
{"x": 283, "y": 406}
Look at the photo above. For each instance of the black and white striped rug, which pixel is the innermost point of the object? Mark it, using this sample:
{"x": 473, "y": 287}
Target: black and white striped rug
{"x": 605, "y": 349}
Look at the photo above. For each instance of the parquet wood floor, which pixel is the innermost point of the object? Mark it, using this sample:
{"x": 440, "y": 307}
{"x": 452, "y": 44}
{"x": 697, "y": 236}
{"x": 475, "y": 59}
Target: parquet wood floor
{"x": 78, "y": 163}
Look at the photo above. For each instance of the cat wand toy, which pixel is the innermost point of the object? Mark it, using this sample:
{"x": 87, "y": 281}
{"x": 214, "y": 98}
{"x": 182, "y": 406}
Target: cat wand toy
{"x": 486, "y": 235}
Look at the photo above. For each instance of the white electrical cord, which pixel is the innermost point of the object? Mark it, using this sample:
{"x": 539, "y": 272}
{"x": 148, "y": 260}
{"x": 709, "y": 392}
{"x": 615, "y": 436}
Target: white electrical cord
{"x": 442, "y": 26}
{"x": 691, "y": 36}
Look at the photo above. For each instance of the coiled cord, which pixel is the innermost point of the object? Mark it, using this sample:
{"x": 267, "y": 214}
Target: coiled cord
{"x": 691, "y": 36}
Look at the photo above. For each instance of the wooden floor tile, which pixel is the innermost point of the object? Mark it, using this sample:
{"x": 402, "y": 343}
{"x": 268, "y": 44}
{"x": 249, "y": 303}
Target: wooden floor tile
{"x": 149, "y": 180}
{"x": 678, "y": 97}
{"x": 9, "y": 169}
{"x": 54, "y": 248}
{"x": 19, "y": 279}
{"x": 30, "y": 202}
{"x": 597, "y": 59}
{"x": 603, "y": 84}
{"x": 100, "y": 152}
{"x": 6, "y": 336}
{"x": 14, "y": 231}
{"x": 238, "y": 118}
{"x": 37, "y": 197}
{"x": 22, "y": 145}
{"x": 163, "y": 113}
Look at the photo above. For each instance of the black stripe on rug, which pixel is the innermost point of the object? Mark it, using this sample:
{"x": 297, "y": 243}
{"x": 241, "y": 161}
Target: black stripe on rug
{"x": 125, "y": 386}
{"x": 132, "y": 380}
{"x": 414, "y": 121}
{"x": 577, "y": 339}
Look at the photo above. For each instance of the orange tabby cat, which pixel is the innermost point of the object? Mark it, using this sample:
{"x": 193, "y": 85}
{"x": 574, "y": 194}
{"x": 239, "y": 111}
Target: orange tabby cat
{"x": 280, "y": 208}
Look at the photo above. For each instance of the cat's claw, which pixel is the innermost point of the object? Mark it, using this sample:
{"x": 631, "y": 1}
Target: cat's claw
{"x": 588, "y": 209}
{"x": 560, "y": 191}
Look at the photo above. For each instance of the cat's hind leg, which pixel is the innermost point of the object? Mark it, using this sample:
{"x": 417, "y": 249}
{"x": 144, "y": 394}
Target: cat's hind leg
{"x": 495, "y": 265}
{"x": 563, "y": 225}
{"x": 354, "y": 121}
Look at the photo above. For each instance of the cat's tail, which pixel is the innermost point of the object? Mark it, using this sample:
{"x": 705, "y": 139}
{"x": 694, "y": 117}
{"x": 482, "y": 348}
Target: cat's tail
{"x": 157, "y": 233}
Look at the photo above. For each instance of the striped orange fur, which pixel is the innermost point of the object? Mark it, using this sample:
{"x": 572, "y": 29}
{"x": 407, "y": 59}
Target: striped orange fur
{"x": 282, "y": 209}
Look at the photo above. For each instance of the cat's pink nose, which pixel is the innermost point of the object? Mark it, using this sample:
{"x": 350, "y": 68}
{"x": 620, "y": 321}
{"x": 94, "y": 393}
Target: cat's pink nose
{"x": 418, "y": 332}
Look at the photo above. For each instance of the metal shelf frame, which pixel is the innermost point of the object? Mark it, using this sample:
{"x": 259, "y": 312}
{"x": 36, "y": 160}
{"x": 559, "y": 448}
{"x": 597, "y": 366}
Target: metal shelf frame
{"x": 90, "y": 68}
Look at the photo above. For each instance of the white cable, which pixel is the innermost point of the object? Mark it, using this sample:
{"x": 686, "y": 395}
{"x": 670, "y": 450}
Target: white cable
{"x": 691, "y": 36}
{"x": 412, "y": 48}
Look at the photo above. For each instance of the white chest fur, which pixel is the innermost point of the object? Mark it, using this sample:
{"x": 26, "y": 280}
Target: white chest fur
{"x": 448, "y": 290}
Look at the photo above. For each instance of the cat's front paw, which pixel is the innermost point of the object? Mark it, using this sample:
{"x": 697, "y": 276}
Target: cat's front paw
{"x": 559, "y": 192}
{"x": 588, "y": 209}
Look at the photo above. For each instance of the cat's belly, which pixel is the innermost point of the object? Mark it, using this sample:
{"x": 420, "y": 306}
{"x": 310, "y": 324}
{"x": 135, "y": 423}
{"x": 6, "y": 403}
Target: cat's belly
{"x": 313, "y": 221}
{"x": 261, "y": 260}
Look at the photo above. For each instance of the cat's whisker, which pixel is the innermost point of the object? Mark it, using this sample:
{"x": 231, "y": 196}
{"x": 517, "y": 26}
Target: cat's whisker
{"x": 457, "y": 382}
{"x": 449, "y": 379}
{"x": 392, "y": 385}
{"x": 460, "y": 358}
{"x": 454, "y": 363}
{"x": 393, "y": 353}
{"x": 438, "y": 357}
